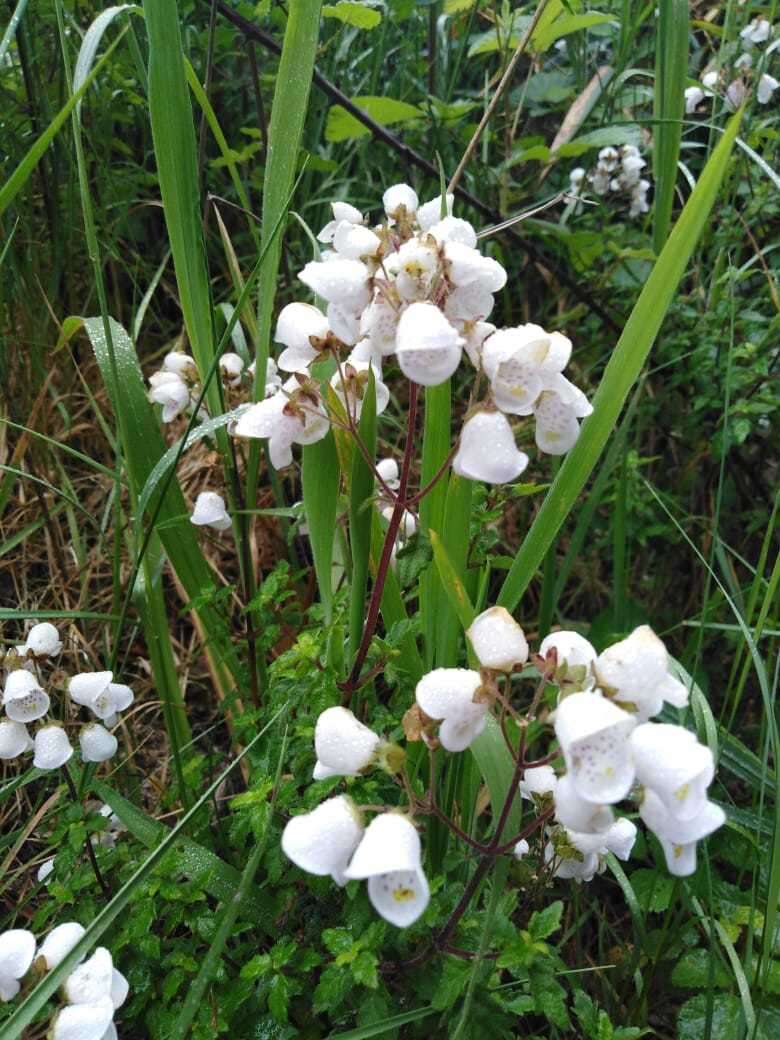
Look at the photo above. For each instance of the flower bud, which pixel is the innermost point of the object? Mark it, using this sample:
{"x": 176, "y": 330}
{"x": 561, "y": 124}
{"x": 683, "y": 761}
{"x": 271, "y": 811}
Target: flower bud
{"x": 498, "y": 641}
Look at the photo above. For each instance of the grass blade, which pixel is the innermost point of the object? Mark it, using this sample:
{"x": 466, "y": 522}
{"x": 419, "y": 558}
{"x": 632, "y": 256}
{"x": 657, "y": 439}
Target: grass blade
{"x": 361, "y": 489}
{"x": 671, "y": 72}
{"x": 320, "y": 480}
{"x": 621, "y": 372}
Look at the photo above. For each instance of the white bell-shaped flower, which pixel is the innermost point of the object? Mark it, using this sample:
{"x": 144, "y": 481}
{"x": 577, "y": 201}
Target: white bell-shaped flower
{"x": 389, "y": 856}
{"x": 521, "y": 849}
{"x": 84, "y": 1021}
{"x": 342, "y": 213}
{"x": 621, "y": 838}
{"x": 474, "y": 334}
{"x": 231, "y": 367}
{"x": 579, "y": 869}
{"x": 671, "y": 761}
{"x": 487, "y": 450}
{"x": 469, "y": 303}
{"x": 344, "y": 746}
{"x": 180, "y": 363}
{"x": 344, "y": 323}
{"x": 169, "y": 390}
{"x": 43, "y": 640}
{"x": 635, "y": 672}
{"x": 756, "y": 31}
{"x": 97, "y": 744}
{"x": 17, "y": 949}
{"x": 322, "y": 842}
{"x": 557, "y": 428}
{"x": 298, "y": 324}
{"x": 575, "y": 656}
{"x": 679, "y": 837}
{"x": 430, "y": 213}
{"x": 575, "y": 812}
{"x": 353, "y": 241}
{"x": 467, "y": 266}
{"x": 427, "y": 346}
{"x": 498, "y": 641}
{"x": 210, "y": 511}
{"x": 522, "y": 362}
{"x": 59, "y": 942}
{"x": 388, "y": 471}
{"x": 453, "y": 229}
{"x": 52, "y": 747}
{"x": 90, "y": 981}
{"x": 270, "y": 419}
{"x": 400, "y": 200}
{"x": 96, "y": 691}
{"x": 416, "y": 264}
{"x": 24, "y": 699}
{"x": 344, "y": 282}
{"x": 710, "y": 79}
{"x": 539, "y": 780}
{"x": 767, "y": 85}
{"x": 447, "y": 695}
{"x": 593, "y": 734}
{"x": 379, "y": 324}
{"x": 14, "y": 739}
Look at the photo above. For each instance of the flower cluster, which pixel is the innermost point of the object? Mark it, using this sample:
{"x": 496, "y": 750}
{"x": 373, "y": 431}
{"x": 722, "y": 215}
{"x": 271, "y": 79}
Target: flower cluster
{"x": 733, "y": 80}
{"x": 92, "y": 992}
{"x": 607, "y": 747}
{"x": 617, "y": 171}
{"x": 414, "y": 287}
{"x": 25, "y": 701}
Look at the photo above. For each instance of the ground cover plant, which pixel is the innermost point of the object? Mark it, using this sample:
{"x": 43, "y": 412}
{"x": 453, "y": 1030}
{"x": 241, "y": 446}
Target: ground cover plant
{"x": 388, "y": 520}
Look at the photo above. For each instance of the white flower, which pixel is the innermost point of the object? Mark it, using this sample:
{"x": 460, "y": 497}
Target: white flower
{"x": 389, "y": 856}
{"x": 693, "y": 98}
{"x": 538, "y": 780}
{"x": 575, "y": 812}
{"x": 599, "y": 180}
{"x": 522, "y": 362}
{"x": 231, "y": 366}
{"x": 59, "y": 942}
{"x": 639, "y": 203}
{"x": 574, "y": 869}
{"x": 96, "y": 691}
{"x": 169, "y": 390}
{"x": 593, "y": 735}
{"x": 400, "y": 200}
{"x": 97, "y": 744}
{"x": 344, "y": 746}
{"x": 735, "y": 94}
{"x": 23, "y": 698}
{"x": 453, "y": 229}
{"x": 521, "y": 849}
{"x": 45, "y": 870}
{"x": 609, "y": 157}
{"x": 354, "y": 241}
{"x": 43, "y": 640}
{"x": 487, "y": 450}
{"x": 415, "y": 265}
{"x": 344, "y": 282}
{"x": 90, "y": 981}
{"x": 291, "y": 416}
{"x": 119, "y": 989}
{"x": 430, "y": 212}
{"x": 298, "y": 324}
{"x": 467, "y": 266}
{"x": 498, "y": 641}
{"x": 447, "y": 695}
{"x": 744, "y": 61}
{"x": 767, "y": 85}
{"x": 474, "y": 333}
{"x": 757, "y": 31}
{"x": 84, "y": 1021}
{"x": 180, "y": 363}
{"x": 710, "y": 79}
{"x": 379, "y": 323}
{"x": 556, "y": 415}
{"x": 322, "y": 842}
{"x": 427, "y": 346}
{"x": 52, "y": 747}
{"x": 635, "y": 672}
{"x": 210, "y": 511}
{"x": 388, "y": 471}
{"x": 469, "y": 303}
{"x": 351, "y": 385}
{"x": 342, "y": 213}
{"x": 678, "y": 837}
{"x": 671, "y": 761}
{"x": 575, "y": 652}
{"x": 576, "y": 178}
{"x": 620, "y": 838}
{"x": 14, "y": 739}
{"x": 17, "y": 949}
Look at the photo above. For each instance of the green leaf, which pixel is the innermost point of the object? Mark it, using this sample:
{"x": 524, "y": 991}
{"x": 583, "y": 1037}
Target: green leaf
{"x": 692, "y": 971}
{"x": 279, "y": 997}
{"x": 653, "y": 890}
{"x": 726, "y": 1018}
{"x": 320, "y": 480}
{"x": 628, "y": 133}
{"x": 458, "y": 6}
{"x": 364, "y": 969}
{"x": 341, "y": 126}
{"x": 362, "y": 16}
{"x": 622, "y": 371}
{"x": 566, "y": 24}
{"x": 385, "y": 1027}
{"x": 361, "y": 490}
{"x": 671, "y": 72}
{"x": 544, "y": 922}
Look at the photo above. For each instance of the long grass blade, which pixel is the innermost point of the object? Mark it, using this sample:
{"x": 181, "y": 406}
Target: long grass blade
{"x": 671, "y": 71}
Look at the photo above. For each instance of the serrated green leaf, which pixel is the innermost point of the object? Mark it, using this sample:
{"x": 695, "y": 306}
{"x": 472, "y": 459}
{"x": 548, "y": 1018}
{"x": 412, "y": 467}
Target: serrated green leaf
{"x": 544, "y": 922}
{"x": 364, "y": 969}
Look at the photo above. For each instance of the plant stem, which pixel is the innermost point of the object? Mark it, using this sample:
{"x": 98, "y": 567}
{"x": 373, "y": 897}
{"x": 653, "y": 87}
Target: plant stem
{"x": 88, "y": 843}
